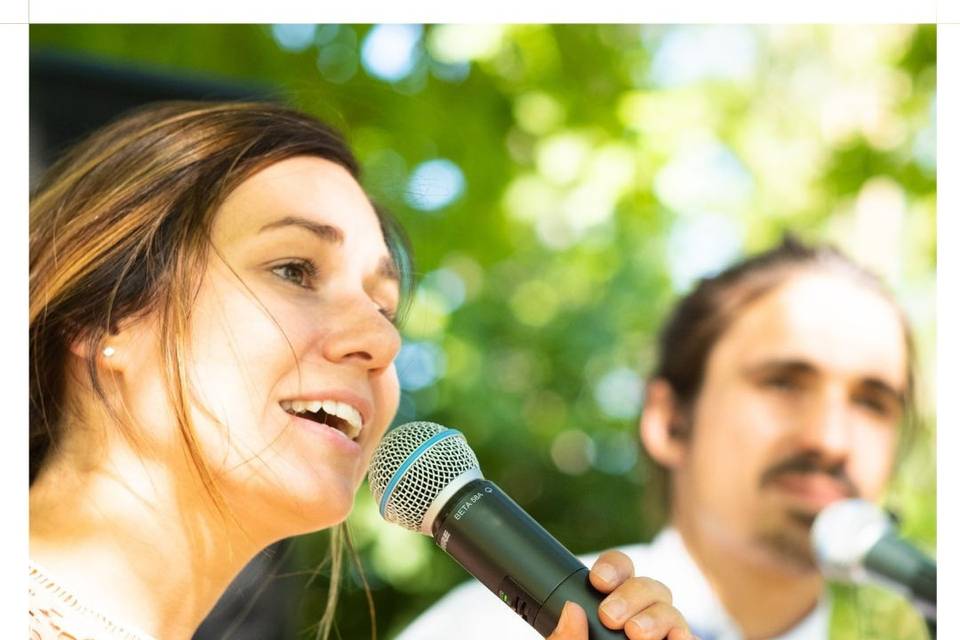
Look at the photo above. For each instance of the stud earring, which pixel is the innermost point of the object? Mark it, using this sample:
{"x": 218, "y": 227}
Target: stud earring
{"x": 108, "y": 351}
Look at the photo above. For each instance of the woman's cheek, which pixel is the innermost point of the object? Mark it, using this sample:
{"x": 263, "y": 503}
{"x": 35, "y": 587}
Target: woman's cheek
{"x": 392, "y": 392}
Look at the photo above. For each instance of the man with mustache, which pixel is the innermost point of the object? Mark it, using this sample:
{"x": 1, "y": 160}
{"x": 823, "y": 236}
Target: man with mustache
{"x": 782, "y": 384}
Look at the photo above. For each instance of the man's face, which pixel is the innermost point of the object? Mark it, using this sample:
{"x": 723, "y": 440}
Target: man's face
{"x": 799, "y": 407}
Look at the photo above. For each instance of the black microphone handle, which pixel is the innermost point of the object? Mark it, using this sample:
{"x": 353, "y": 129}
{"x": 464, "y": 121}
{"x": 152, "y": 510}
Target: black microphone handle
{"x": 498, "y": 543}
{"x": 898, "y": 563}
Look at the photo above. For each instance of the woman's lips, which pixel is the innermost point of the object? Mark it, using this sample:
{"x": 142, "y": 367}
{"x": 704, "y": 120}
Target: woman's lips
{"x": 329, "y": 434}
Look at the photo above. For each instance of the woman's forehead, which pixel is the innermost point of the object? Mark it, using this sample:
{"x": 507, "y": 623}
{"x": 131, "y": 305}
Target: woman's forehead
{"x": 305, "y": 187}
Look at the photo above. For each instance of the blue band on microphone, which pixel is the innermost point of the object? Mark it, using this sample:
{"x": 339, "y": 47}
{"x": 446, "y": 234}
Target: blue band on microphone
{"x": 398, "y": 474}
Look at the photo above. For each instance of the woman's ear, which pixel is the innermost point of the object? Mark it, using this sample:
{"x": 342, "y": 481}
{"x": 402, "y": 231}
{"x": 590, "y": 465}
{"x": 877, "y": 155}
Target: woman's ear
{"x": 659, "y": 431}
{"x": 112, "y": 349}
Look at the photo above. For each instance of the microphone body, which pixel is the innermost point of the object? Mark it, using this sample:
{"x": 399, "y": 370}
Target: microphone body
{"x": 425, "y": 478}
{"x": 498, "y": 543}
{"x": 900, "y": 566}
{"x": 855, "y": 541}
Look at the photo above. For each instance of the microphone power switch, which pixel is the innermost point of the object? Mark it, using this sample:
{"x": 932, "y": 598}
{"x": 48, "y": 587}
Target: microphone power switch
{"x": 518, "y": 600}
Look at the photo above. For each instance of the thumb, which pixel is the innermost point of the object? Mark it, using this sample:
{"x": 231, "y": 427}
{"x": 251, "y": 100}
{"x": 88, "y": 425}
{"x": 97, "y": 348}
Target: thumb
{"x": 572, "y": 624}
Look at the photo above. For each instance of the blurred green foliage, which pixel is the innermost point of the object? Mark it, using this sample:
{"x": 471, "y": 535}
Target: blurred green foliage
{"x": 590, "y": 173}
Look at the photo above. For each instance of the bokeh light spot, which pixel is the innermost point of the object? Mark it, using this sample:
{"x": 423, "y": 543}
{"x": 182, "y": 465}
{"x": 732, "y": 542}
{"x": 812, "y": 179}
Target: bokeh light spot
{"x": 699, "y": 246}
{"x": 456, "y": 72}
{"x": 534, "y": 303}
{"x": 573, "y": 452}
{"x": 616, "y": 452}
{"x": 419, "y": 365}
{"x": 538, "y": 112}
{"x": 691, "y": 54}
{"x": 326, "y": 33}
{"x": 429, "y": 314}
{"x": 618, "y": 393}
{"x": 455, "y": 43}
{"x": 294, "y": 37}
{"x": 389, "y": 50}
{"x": 704, "y": 174}
{"x": 434, "y": 184}
{"x": 449, "y": 285}
{"x": 337, "y": 62}
{"x": 560, "y": 158}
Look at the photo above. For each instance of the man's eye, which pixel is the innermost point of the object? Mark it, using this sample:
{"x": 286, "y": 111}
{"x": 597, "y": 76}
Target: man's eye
{"x": 300, "y": 273}
{"x": 783, "y": 383}
{"x": 874, "y": 405}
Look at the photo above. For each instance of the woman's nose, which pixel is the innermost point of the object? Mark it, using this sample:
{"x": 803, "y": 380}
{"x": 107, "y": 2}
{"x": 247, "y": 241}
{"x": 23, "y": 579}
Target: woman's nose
{"x": 361, "y": 334}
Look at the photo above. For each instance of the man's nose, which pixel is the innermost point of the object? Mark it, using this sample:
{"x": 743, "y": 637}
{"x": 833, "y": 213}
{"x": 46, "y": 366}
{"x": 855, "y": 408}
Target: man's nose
{"x": 361, "y": 335}
{"x": 828, "y": 427}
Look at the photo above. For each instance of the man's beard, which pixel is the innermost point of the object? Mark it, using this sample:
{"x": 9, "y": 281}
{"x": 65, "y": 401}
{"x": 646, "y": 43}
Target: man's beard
{"x": 786, "y": 534}
{"x": 788, "y": 540}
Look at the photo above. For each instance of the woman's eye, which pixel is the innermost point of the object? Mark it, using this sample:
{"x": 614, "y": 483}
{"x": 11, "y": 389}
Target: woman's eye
{"x": 389, "y": 314}
{"x": 300, "y": 273}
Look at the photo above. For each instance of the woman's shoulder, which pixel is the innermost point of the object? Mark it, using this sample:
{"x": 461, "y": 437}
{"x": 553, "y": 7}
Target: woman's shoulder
{"x": 55, "y": 612}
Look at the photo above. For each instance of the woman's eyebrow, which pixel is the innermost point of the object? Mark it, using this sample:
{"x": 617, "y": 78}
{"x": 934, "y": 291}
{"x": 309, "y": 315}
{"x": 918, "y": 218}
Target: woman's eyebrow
{"x": 326, "y": 232}
{"x": 329, "y": 233}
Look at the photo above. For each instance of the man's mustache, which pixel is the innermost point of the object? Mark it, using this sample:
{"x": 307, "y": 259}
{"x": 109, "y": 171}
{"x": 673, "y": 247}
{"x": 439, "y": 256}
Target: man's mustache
{"x": 810, "y": 462}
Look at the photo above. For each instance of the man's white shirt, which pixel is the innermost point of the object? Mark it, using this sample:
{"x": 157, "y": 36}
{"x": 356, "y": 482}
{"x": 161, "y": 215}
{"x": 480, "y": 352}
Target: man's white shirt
{"x": 471, "y": 612}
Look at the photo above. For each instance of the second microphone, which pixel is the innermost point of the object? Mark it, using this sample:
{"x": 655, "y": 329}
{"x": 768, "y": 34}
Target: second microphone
{"x": 426, "y": 478}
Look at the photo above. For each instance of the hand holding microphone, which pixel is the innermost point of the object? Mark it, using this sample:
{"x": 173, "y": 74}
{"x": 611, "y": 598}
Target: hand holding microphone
{"x": 647, "y": 613}
{"x": 426, "y": 478}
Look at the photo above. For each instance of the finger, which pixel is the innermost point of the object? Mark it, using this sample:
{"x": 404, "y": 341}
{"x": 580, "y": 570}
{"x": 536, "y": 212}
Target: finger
{"x": 630, "y": 598}
{"x": 572, "y": 624}
{"x": 657, "y": 621}
{"x": 681, "y": 634}
{"x": 610, "y": 570}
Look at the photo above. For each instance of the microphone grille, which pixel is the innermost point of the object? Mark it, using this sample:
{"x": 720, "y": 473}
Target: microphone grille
{"x": 842, "y": 535}
{"x": 412, "y": 465}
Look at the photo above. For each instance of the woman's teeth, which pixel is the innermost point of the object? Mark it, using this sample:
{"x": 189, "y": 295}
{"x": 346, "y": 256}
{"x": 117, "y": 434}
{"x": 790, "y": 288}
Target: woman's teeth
{"x": 349, "y": 415}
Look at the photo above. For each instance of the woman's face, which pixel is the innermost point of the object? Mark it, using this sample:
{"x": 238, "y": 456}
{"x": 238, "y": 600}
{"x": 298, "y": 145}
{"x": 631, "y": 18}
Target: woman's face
{"x": 292, "y": 348}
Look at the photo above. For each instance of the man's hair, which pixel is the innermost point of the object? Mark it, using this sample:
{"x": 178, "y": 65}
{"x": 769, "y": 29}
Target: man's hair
{"x": 701, "y": 318}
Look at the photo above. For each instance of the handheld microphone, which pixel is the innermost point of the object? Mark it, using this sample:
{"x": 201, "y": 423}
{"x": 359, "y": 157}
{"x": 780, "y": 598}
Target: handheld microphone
{"x": 855, "y": 541}
{"x": 425, "y": 478}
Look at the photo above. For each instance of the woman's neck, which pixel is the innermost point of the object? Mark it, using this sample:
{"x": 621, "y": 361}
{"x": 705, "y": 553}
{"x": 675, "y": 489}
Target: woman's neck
{"x": 140, "y": 542}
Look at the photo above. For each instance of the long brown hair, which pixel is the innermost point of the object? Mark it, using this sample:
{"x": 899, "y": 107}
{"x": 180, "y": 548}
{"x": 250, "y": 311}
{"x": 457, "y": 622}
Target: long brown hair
{"x": 119, "y": 228}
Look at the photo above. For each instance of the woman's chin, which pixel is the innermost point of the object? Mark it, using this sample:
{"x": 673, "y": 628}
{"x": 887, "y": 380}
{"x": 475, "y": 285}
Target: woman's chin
{"x": 295, "y": 504}
{"x": 323, "y": 511}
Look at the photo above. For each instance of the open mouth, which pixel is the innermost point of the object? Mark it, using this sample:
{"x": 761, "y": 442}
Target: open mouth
{"x": 338, "y": 415}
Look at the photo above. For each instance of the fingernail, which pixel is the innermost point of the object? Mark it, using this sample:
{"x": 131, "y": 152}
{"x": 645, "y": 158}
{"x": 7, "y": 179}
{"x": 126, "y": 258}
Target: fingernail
{"x": 614, "y": 607}
{"x": 643, "y": 623}
{"x": 606, "y": 572}
{"x": 562, "y": 621}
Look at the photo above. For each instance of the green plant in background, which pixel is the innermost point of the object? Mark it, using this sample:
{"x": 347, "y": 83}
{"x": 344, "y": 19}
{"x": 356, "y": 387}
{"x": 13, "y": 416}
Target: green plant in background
{"x": 561, "y": 184}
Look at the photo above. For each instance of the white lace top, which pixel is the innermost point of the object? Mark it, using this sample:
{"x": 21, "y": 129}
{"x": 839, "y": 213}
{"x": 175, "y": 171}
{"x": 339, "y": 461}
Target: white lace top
{"x": 55, "y": 613}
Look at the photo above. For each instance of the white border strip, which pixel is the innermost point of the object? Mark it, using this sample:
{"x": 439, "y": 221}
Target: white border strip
{"x": 948, "y": 316}
{"x": 14, "y": 278}
{"x": 494, "y": 11}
